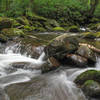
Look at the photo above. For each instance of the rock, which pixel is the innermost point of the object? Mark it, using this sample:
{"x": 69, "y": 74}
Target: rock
{"x": 33, "y": 17}
{"x": 40, "y": 29}
{"x": 29, "y": 28}
{"x": 53, "y": 23}
{"x": 91, "y": 35}
{"x": 12, "y": 32}
{"x": 95, "y": 27}
{"x": 61, "y": 45}
{"x": 73, "y": 29}
{"x": 5, "y": 23}
{"x": 57, "y": 29}
{"x": 91, "y": 88}
{"x": 84, "y": 51}
{"x": 88, "y": 75}
{"x": 54, "y": 62}
{"x": 22, "y": 20}
{"x": 77, "y": 60}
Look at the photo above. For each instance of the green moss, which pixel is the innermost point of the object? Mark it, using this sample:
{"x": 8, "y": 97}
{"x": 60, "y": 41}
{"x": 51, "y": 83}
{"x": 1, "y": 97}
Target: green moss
{"x": 73, "y": 29}
{"x": 12, "y": 32}
{"x": 91, "y": 35}
{"x": 40, "y": 29}
{"x": 88, "y": 75}
{"x": 29, "y": 28}
{"x": 58, "y": 29}
{"x": 35, "y": 17}
{"x": 23, "y": 20}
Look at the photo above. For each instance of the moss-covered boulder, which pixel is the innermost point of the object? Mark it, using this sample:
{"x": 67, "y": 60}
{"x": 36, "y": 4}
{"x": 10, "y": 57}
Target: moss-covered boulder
{"x": 91, "y": 88}
{"x": 88, "y": 75}
{"x": 5, "y": 23}
{"x": 22, "y": 20}
{"x": 35, "y": 17}
{"x": 40, "y": 29}
{"x": 9, "y": 32}
{"x": 57, "y": 29}
{"x": 61, "y": 46}
{"x": 74, "y": 29}
{"x": 29, "y": 28}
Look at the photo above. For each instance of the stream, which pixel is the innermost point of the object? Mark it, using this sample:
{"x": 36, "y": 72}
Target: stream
{"x": 25, "y": 82}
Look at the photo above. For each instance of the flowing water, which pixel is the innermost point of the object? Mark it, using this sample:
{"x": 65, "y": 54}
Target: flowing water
{"x": 59, "y": 84}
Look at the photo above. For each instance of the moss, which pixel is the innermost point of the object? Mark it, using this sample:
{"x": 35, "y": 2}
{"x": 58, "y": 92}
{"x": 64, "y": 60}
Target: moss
{"x": 91, "y": 35}
{"x": 94, "y": 20}
{"x": 95, "y": 26}
{"x": 73, "y": 29}
{"x": 58, "y": 29}
{"x": 35, "y": 17}
{"x": 12, "y": 32}
{"x": 40, "y": 29}
{"x": 88, "y": 75}
{"x": 23, "y": 20}
{"x": 29, "y": 28}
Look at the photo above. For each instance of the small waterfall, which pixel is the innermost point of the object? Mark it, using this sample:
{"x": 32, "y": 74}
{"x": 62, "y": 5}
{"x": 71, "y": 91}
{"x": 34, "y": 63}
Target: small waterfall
{"x": 60, "y": 85}
{"x": 12, "y": 56}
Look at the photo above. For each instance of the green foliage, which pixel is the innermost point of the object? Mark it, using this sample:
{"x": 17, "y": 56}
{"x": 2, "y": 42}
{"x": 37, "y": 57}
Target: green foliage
{"x": 74, "y": 11}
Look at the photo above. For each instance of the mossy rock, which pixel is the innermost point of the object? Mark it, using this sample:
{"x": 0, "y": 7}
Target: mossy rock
{"x": 74, "y": 29}
{"x": 5, "y": 23}
{"x": 88, "y": 75}
{"x": 91, "y": 35}
{"x": 35, "y": 17}
{"x": 62, "y": 45}
{"x": 95, "y": 20}
{"x": 29, "y": 28}
{"x": 40, "y": 29}
{"x": 95, "y": 27}
{"x": 36, "y": 24}
{"x": 12, "y": 32}
{"x": 91, "y": 88}
{"x": 23, "y": 20}
{"x": 57, "y": 29}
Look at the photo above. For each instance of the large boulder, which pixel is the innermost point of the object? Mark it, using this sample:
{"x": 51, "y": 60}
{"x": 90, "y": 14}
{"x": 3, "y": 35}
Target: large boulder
{"x": 88, "y": 75}
{"x": 9, "y": 32}
{"x": 61, "y": 46}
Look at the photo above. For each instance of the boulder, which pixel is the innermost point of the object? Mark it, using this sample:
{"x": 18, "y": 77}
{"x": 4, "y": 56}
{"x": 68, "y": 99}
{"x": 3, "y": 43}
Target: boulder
{"x": 88, "y": 75}
{"x": 61, "y": 46}
{"x": 84, "y": 51}
{"x": 91, "y": 88}
{"x": 12, "y": 32}
{"x": 77, "y": 60}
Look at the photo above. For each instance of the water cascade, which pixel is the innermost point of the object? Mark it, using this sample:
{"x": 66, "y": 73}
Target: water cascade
{"x": 60, "y": 85}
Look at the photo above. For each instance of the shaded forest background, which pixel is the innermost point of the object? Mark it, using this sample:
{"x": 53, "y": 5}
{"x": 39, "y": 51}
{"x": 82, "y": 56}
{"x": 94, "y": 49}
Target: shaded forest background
{"x": 67, "y": 10}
